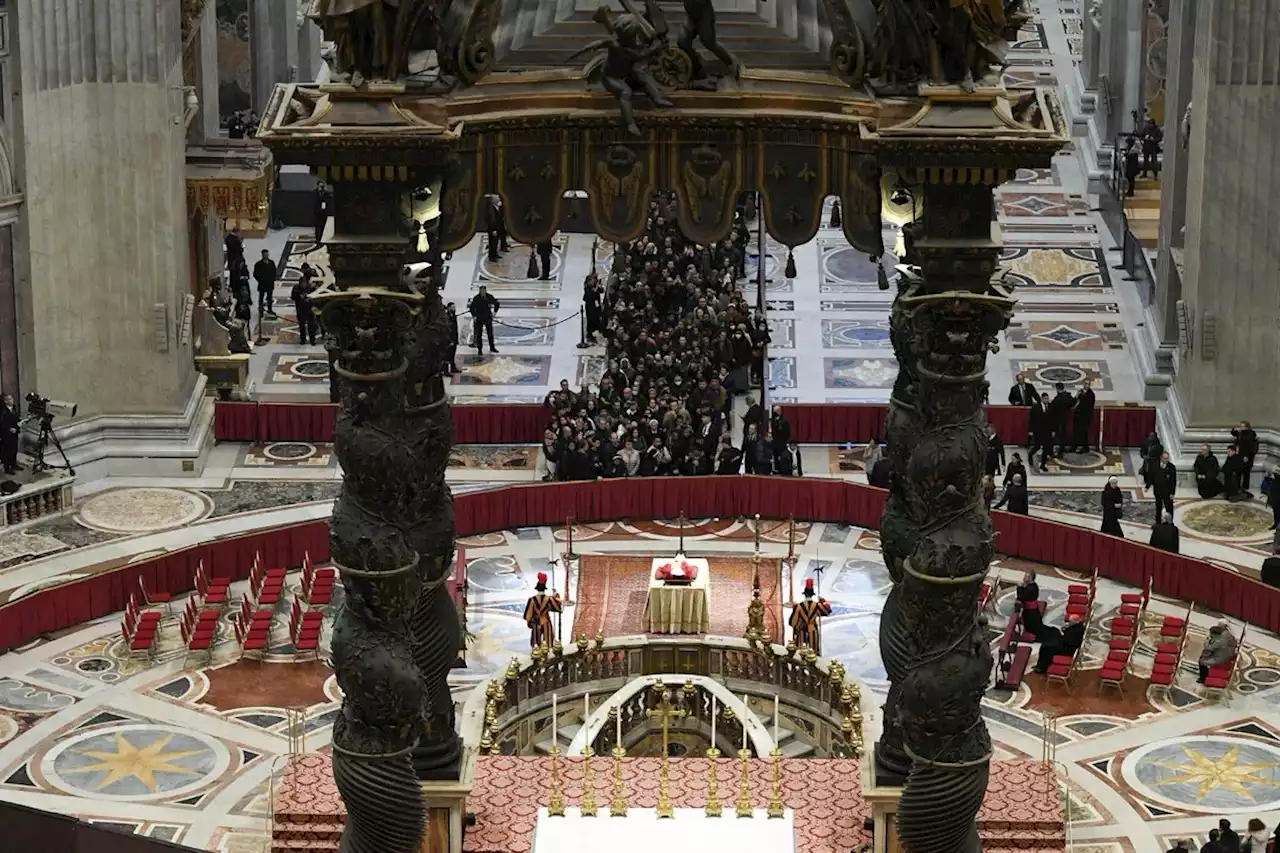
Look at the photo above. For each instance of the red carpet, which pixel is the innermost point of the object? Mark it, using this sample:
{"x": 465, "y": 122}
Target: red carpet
{"x": 613, "y": 589}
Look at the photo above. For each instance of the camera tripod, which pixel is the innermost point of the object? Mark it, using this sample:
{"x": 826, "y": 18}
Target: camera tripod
{"x": 46, "y": 437}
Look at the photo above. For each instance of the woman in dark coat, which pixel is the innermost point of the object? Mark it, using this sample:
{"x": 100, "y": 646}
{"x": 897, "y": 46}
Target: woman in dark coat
{"x": 1112, "y": 503}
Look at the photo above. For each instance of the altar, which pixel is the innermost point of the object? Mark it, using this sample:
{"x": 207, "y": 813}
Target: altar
{"x": 679, "y": 600}
{"x": 643, "y": 832}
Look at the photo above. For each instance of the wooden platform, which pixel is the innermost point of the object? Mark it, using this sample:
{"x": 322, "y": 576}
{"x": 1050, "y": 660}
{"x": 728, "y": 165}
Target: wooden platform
{"x": 1022, "y": 810}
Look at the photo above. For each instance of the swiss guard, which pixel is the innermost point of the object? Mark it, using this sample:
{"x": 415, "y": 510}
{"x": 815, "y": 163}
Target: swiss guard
{"x": 537, "y": 614}
{"x": 806, "y": 619}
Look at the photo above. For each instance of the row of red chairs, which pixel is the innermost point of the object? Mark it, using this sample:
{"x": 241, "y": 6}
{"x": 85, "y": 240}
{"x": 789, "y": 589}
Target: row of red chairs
{"x": 317, "y": 584}
{"x": 139, "y": 629}
{"x": 304, "y": 630}
{"x": 1124, "y": 638}
{"x": 199, "y": 628}
{"x": 1169, "y": 648}
{"x": 1080, "y": 601}
{"x": 1220, "y": 677}
{"x": 253, "y": 628}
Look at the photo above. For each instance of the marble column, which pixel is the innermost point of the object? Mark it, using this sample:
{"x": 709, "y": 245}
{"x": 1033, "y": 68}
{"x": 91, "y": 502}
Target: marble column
{"x": 261, "y": 48}
{"x": 208, "y": 121}
{"x": 1232, "y": 250}
{"x": 1118, "y": 67}
{"x": 1173, "y": 175}
{"x": 103, "y": 155}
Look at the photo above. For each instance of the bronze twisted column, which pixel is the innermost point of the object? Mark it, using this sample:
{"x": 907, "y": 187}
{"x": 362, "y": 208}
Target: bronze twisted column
{"x": 392, "y": 534}
{"x": 937, "y": 534}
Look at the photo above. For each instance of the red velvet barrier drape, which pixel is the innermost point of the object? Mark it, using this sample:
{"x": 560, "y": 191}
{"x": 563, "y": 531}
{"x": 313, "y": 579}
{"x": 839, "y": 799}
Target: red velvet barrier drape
{"x": 1062, "y": 545}
{"x": 833, "y": 423}
{"x": 840, "y": 423}
{"x": 235, "y": 421}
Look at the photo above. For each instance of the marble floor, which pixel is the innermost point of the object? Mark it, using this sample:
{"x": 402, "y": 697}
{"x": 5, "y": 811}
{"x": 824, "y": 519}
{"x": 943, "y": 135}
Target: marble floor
{"x": 185, "y": 749}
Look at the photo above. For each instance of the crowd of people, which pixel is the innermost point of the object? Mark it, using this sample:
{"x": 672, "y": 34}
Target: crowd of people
{"x": 682, "y": 343}
{"x": 1225, "y": 839}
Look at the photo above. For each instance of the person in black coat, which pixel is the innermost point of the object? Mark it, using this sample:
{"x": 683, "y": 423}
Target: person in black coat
{"x": 1015, "y": 495}
{"x": 1086, "y": 400}
{"x": 995, "y": 452}
{"x": 1273, "y": 496}
{"x": 496, "y": 227}
{"x": 1028, "y": 592}
{"x": 1132, "y": 168}
{"x": 1022, "y": 394}
{"x": 234, "y": 245}
{"x": 1041, "y": 422}
{"x": 1112, "y": 508}
{"x": 1164, "y": 482}
{"x": 1015, "y": 468}
{"x": 482, "y": 307}
{"x": 729, "y": 458}
{"x": 544, "y": 257}
{"x": 1247, "y": 446}
{"x": 1232, "y": 473}
{"x": 301, "y": 296}
{"x": 783, "y": 463}
{"x": 1207, "y": 469}
{"x": 1054, "y": 642}
{"x": 10, "y": 420}
{"x": 1060, "y": 416}
{"x": 1229, "y": 837}
{"x": 450, "y": 366}
{"x": 591, "y": 296}
{"x": 264, "y": 273}
{"x": 321, "y": 210}
{"x": 881, "y": 474}
{"x": 779, "y": 430}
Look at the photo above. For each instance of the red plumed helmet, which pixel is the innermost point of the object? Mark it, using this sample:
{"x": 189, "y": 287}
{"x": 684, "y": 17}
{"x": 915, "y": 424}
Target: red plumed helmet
{"x": 542, "y": 577}
{"x": 808, "y": 585}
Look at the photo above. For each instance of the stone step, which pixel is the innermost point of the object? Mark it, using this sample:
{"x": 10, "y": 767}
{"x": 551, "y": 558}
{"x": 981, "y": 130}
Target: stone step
{"x": 766, "y": 720}
{"x": 568, "y": 732}
{"x": 283, "y": 830}
{"x": 795, "y": 748}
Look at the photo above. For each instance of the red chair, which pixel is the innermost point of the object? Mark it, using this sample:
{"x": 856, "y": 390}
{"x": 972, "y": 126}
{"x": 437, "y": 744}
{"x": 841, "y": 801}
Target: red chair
{"x": 1114, "y": 670}
{"x": 1221, "y": 677}
{"x": 255, "y": 618}
{"x": 304, "y": 630}
{"x": 1173, "y": 639}
{"x": 198, "y": 635}
{"x": 139, "y": 640}
{"x": 146, "y": 617}
{"x": 317, "y": 591}
{"x": 251, "y": 637}
{"x": 267, "y": 573}
{"x": 210, "y": 593}
{"x": 155, "y": 599}
{"x": 266, "y": 589}
{"x": 1061, "y": 668}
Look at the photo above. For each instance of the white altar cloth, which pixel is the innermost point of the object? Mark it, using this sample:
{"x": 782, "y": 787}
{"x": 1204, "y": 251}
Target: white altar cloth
{"x": 641, "y": 831}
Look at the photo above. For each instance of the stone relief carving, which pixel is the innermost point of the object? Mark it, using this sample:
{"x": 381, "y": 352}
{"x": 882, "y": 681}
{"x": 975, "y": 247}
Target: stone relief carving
{"x": 930, "y": 41}
{"x": 1184, "y": 128}
{"x": 1096, "y": 8}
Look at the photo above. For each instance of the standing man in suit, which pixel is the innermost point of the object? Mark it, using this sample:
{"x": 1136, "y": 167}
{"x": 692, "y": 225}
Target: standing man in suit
{"x": 321, "y": 211}
{"x": 482, "y": 307}
{"x": 1041, "y": 422}
{"x": 10, "y": 421}
{"x": 264, "y": 273}
{"x": 1164, "y": 482}
{"x": 1015, "y": 495}
{"x": 1247, "y": 446}
{"x": 544, "y": 257}
{"x": 496, "y": 226}
{"x": 451, "y": 364}
{"x": 1086, "y": 400}
{"x": 1022, "y": 394}
{"x": 1060, "y": 416}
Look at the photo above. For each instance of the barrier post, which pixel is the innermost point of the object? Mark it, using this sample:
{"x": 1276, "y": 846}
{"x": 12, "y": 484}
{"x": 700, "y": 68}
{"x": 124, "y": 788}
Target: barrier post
{"x": 569, "y": 557}
{"x": 1102, "y": 419}
{"x": 791, "y": 563}
{"x": 582, "y": 329}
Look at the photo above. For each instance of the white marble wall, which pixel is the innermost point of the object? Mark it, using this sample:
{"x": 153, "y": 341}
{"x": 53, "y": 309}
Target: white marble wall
{"x": 103, "y": 157}
{"x": 1233, "y": 219}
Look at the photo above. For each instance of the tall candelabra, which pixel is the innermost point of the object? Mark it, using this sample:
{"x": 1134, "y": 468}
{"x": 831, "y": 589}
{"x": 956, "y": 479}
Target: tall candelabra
{"x": 745, "y": 808}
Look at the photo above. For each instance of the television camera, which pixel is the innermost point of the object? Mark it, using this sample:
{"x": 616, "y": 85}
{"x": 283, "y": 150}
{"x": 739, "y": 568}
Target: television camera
{"x": 43, "y": 410}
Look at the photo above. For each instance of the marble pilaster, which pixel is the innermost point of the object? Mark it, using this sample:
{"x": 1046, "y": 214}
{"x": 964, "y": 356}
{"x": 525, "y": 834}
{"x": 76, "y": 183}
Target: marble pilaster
{"x": 108, "y": 260}
{"x": 1231, "y": 249}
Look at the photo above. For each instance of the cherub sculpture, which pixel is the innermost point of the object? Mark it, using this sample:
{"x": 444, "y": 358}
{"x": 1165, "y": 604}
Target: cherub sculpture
{"x": 633, "y": 40}
{"x": 700, "y": 25}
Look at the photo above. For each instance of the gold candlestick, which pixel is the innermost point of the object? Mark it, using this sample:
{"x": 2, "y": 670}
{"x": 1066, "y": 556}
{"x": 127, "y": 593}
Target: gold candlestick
{"x": 776, "y": 807}
{"x": 555, "y": 805}
{"x": 745, "y": 809}
{"x": 618, "y": 805}
{"x": 713, "y": 784}
{"x": 665, "y": 712}
{"x": 588, "y": 807}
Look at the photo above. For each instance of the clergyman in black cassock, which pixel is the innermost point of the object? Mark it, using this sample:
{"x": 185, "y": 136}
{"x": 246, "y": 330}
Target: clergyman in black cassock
{"x": 1207, "y": 469}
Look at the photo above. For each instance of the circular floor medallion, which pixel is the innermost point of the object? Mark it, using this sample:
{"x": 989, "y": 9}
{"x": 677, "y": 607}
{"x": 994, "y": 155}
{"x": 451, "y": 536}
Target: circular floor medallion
{"x": 135, "y": 762}
{"x": 311, "y": 368}
{"x": 1224, "y": 520}
{"x": 289, "y": 451}
{"x": 1210, "y": 773}
{"x": 143, "y": 510}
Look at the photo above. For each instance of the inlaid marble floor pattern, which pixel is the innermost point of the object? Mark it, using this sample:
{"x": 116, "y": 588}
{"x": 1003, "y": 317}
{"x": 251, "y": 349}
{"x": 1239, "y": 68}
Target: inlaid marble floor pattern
{"x": 184, "y": 750}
